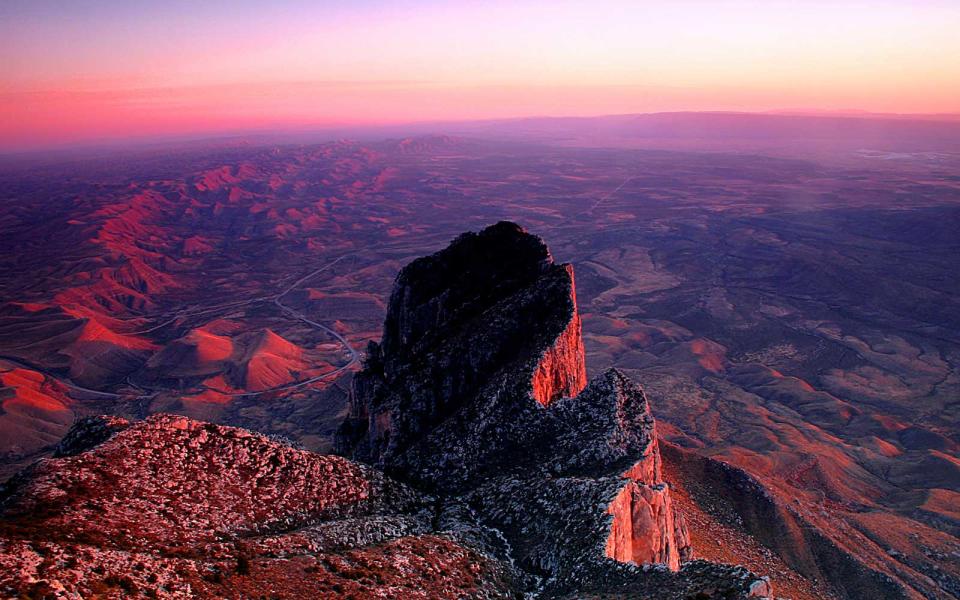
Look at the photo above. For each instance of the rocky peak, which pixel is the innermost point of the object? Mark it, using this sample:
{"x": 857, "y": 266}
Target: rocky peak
{"x": 561, "y": 371}
{"x": 478, "y": 393}
{"x": 491, "y": 309}
{"x": 438, "y": 293}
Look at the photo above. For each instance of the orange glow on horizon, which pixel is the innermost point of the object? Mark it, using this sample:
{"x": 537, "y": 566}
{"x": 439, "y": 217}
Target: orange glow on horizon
{"x": 117, "y": 71}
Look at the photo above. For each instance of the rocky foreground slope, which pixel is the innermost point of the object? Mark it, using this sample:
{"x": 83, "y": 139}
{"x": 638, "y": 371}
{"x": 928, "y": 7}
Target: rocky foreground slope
{"x": 497, "y": 471}
{"x": 174, "y": 508}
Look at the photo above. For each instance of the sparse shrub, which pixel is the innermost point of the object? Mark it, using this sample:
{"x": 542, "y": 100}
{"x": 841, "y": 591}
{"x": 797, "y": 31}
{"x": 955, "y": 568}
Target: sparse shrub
{"x": 215, "y": 576}
{"x": 123, "y": 582}
{"x": 243, "y": 564}
{"x": 284, "y": 440}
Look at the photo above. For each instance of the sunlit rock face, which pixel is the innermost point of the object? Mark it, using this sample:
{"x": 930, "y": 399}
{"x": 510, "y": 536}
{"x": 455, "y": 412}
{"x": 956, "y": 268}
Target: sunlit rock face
{"x": 561, "y": 372}
{"x": 643, "y": 529}
{"x": 646, "y": 528}
{"x": 478, "y": 393}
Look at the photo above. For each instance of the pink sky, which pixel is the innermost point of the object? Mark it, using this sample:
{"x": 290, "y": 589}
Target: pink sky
{"x": 101, "y": 69}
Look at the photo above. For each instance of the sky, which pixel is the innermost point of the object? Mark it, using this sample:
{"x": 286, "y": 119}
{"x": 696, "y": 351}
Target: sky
{"x": 82, "y": 70}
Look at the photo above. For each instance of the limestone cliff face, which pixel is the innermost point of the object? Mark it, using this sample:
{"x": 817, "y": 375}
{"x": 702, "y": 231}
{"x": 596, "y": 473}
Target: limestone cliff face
{"x": 646, "y": 528}
{"x": 562, "y": 371}
{"x": 643, "y": 529}
{"x": 479, "y": 394}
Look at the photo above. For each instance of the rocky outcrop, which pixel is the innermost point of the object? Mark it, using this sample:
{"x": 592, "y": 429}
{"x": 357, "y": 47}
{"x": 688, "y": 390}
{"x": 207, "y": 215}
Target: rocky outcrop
{"x": 643, "y": 528}
{"x": 172, "y": 480}
{"x": 172, "y": 507}
{"x": 478, "y": 394}
{"x": 468, "y": 331}
{"x": 89, "y": 432}
{"x": 175, "y": 508}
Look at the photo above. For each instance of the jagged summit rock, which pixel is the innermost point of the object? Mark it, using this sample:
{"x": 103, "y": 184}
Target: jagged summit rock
{"x": 478, "y": 394}
{"x": 484, "y": 327}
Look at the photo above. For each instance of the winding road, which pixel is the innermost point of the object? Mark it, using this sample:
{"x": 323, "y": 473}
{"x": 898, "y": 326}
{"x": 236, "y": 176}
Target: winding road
{"x": 594, "y": 206}
{"x": 66, "y": 382}
{"x": 277, "y": 300}
{"x": 289, "y": 312}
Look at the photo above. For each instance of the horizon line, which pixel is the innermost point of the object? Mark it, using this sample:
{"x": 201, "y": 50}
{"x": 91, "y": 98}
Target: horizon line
{"x": 145, "y": 141}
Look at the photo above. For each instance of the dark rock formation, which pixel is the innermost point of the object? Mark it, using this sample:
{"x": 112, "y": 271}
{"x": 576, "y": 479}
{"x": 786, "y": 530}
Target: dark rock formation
{"x": 478, "y": 394}
{"x": 87, "y": 433}
{"x": 469, "y": 330}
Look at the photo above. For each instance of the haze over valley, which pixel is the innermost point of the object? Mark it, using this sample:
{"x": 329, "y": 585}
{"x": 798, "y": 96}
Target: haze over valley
{"x": 794, "y": 316}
